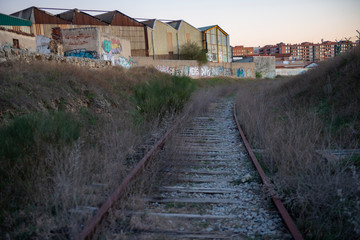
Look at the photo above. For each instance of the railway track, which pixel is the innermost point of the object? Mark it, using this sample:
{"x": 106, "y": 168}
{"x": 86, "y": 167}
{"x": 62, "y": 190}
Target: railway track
{"x": 209, "y": 188}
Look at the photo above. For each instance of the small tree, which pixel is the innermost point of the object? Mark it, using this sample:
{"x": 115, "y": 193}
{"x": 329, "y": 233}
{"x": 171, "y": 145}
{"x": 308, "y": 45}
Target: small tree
{"x": 192, "y": 51}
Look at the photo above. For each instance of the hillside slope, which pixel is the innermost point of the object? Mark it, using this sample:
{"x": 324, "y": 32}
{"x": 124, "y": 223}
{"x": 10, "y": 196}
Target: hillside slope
{"x": 294, "y": 121}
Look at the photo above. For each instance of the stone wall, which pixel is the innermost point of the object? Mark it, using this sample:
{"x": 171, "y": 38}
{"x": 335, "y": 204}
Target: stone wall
{"x": 10, "y": 54}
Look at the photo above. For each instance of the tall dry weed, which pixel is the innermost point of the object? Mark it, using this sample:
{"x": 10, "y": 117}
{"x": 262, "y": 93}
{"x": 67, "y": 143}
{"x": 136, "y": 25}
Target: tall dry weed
{"x": 287, "y": 119}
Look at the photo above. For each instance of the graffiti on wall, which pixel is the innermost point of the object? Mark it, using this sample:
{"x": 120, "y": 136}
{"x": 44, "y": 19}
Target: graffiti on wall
{"x": 193, "y": 71}
{"x": 81, "y": 53}
{"x": 42, "y": 44}
{"x": 205, "y": 71}
{"x": 241, "y": 73}
{"x": 112, "y": 46}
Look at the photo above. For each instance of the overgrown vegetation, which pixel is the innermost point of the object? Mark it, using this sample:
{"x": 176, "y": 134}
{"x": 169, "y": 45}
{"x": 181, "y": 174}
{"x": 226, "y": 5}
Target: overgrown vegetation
{"x": 69, "y": 135}
{"x": 192, "y": 51}
{"x": 160, "y": 96}
{"x": 292, "y": 119}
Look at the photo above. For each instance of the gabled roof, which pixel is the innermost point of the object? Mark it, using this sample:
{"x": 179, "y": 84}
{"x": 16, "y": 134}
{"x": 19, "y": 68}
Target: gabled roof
{"x": 77, "y": 17}
{"x": 150, "y": 23}
{"x": 175, "y": 24}
{"x": 6, "y": 20}
{"x": 117, "y": 18}
{"x": 205, "y": 29}
{"x": 38, "y": 16}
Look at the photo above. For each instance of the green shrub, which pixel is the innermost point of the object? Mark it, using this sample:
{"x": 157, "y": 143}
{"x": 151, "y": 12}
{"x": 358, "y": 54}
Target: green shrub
{"x": 21, "y": 135}
{"x": 192, "y": 51}
{"x": 160, "y": 96}
{"x": 22, "y": 145}
{"x": 258, "y": 75}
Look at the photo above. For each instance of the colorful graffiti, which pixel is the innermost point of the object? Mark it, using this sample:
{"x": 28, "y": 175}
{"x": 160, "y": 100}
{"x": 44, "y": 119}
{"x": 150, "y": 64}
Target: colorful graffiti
{"x": 107, "y": 46}
{"x": 81, "y": 53}
{"x": 112, "y": 46}
{"x": 126, "y": 62}
{"x": 240, "y": 72}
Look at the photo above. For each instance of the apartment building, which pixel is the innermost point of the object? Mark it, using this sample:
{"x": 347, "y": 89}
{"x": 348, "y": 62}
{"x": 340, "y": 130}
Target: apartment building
{"x": 241, "y": 51}
{"x": 309, "y": 52}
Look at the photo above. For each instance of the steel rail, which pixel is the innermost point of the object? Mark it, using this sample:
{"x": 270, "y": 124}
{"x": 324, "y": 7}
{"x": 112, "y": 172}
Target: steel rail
{"x": 94, "y": 222}
{"x": 278, "y": 204}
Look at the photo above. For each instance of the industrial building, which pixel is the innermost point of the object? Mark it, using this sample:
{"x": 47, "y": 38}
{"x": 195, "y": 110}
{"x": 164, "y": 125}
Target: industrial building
{"x": 16, "y": 32}
{"x": 186, "y": 33}
{"x": 163, "y": 40}
{"x": 216, "y": 42}
{"x": 114, "y": 23}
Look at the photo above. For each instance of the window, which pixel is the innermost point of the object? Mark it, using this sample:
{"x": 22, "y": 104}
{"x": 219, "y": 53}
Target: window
{"x": 16, "y": 43}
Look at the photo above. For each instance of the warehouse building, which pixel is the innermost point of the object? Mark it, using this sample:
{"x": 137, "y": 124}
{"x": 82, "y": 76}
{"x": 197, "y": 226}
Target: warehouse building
{"x": 16, "y": 33}
{"x": 186, "y": 33}
{"x": 113, "y": 23}
{"x": 217, "y": 43}
{"x": 163, "y": 43}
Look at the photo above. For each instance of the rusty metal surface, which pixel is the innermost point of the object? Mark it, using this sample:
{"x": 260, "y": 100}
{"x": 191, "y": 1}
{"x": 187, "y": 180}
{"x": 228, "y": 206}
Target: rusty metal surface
{"x": 39, "y": 16}
{"x": 280, "y": 207}
{"x": 91, "y": 225}
{"x": 80, "y": 18}
{"x": 117, "y": 18}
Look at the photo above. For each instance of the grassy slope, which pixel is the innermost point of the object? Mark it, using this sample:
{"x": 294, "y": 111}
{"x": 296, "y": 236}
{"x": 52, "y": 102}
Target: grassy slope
{"x": 291, "y": 119}
{"x": 63, "y": 129}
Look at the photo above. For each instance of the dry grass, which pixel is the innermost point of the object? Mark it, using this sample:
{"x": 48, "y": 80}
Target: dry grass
{"x": 292, "y": 118}
{"x": 160, "y": 171}
{"x": 66, "y": 181}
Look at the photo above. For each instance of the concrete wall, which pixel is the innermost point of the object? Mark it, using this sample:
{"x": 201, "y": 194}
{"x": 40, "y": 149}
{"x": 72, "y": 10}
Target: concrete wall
{"x": 25, "y": 42}
{"x": 265, "y": 65}
{"x": 115, "y": 49}
{"x": 192, "y": 69}
{"x": 290, "y": 71}
{"x": 91, "y": 43}
{"x": 81, "y": 42}
{"x": 42, "y": 44}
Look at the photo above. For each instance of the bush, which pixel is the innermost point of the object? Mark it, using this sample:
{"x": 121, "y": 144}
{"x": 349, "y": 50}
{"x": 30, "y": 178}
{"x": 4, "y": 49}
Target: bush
{"x": 157, "y": 97}
{"x": 22, "y": 142}
{"x": 192, "y": 51}
{"x": 258, "y": 75}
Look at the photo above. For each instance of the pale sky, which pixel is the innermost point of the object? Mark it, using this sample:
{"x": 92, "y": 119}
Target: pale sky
{"x": 250, "y": 23}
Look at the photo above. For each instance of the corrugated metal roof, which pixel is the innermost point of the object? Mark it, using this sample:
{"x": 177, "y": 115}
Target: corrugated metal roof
{"x": 175, "y": 24}
{"x": 117, "y": 18}
{"x": 37, "y": 16}
{"x": 6, "y": 20}
{"x": 24, "y": 14}
{"x": 80, "y": 18}
{"x": 150, "y": 23}
{"x": 203, "y": 29}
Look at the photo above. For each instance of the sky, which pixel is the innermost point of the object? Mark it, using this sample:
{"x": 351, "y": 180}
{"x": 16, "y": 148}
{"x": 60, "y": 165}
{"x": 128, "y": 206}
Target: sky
{"x": 250, "y": 23}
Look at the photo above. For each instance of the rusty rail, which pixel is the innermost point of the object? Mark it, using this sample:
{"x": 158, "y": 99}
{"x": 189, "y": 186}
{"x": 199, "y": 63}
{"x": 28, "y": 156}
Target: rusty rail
{"x": 94, "y": 222}
{"x": 280, "y": 207}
